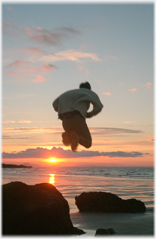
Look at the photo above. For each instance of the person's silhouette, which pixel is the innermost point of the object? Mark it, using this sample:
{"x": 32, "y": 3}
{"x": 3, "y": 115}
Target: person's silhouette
{"x": 72, "y": 107}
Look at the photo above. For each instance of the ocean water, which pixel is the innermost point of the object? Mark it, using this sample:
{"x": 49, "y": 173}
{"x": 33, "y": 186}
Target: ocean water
{"x": 126, "y": 183}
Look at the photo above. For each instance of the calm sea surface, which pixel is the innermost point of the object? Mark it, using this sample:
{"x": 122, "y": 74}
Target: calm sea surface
{"x": 125, "y": 182}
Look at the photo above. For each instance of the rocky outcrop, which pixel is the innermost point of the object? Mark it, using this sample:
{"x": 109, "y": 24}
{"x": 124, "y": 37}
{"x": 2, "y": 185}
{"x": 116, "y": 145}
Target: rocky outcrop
{"x": 14, "y": 166}
{"x": 101, "y": 231}
{"x": 108, "y": 203}
{"x": 35, "y": 210}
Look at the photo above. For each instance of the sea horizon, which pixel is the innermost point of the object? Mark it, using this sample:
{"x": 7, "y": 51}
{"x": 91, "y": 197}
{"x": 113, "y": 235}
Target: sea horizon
{"x": 136, "y": 182}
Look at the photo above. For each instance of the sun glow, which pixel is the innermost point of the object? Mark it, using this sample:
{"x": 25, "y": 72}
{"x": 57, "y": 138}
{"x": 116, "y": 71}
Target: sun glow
{"x": 52, "y": 160}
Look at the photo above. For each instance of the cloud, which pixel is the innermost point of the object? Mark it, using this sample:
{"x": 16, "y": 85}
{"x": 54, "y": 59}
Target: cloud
{"x": 15, "y": 122}
{"x": 25, "y": 66}
{"x": 94, "y": 130}
{"x": 133, "y": 90}
{"x": 8, "y": 8}
{"x": 19, "y": 63}
{"x": 151, "y": 140}
{"x": 24, "y": 70}
{"x": 48, "y": 67}
{"x": 70, "y": 30}
{"x": 33, "y": 50}
{"x": 50, "y": 37}
{"x": 106, "y": 93}
{"x": 9, "y": 122}
{"x": 41, "y": 35}
{"x": 148, "y": 85}
{"x": 8, "y": 137}
{"x": 69, "y": 55}
{"x": 112, "y": 131}
{"x": 61, "y": 153}
{"x": 10, "y": 29}
{"x": 24, "y": 122}
{"x": 53, "y": 37}
{"x": 39, "y": 79}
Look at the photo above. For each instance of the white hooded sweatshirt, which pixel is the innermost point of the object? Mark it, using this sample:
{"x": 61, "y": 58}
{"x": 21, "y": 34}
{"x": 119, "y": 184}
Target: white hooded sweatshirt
{"x": 79, "y": 100}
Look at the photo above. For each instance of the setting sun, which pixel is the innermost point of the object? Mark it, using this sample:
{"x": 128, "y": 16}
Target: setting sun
{"x": 52, "y": 160}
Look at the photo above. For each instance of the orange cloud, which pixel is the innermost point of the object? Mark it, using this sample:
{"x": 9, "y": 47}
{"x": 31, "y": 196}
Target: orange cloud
{"x": 132, "y": 90}
{"x": 28, "y": 31}
{"x": 24, "y": 122}
{"x": 8, "y": 8}
{"x": 80, "y": 67}
{"x": 106, "y": 93}
{"x": 25, "y": 71}
{"x": 148, "y": 85}
{"x": 10, "y": 29}
{"x": 9, "y": 24}
{"x": 18, "y": 64}
{"x": 151, "y": 140}
{"x": 39, "y": 79}
{"x": 50, "y": 37}
{"x": 33, "y": 50}
{"x": 48, "y": 67}
{"x": 9, "y": 122}
{"x": 94, "y": 130}
{"x": 69, "y": 55}
{"x": 42, "y": 35}
{"x": 14, "y": 122}
{"x": 40, "y": 152}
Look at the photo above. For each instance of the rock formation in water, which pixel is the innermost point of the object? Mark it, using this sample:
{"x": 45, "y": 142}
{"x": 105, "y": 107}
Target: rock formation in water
{"x": 108, "y": 203}
{"x": 35, "y": 210}
{"x": 14, "y": 166}
{"x": 102, "y": 231}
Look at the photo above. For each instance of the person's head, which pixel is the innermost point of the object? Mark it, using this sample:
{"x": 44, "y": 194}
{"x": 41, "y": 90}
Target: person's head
{"x": 85, "y": 85}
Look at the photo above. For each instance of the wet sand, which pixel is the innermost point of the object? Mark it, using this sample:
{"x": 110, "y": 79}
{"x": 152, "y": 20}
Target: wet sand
{"x": 124, "y": 224}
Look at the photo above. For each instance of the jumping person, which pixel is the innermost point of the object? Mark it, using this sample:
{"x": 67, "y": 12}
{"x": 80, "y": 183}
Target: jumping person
{"x": 72, "y": 107}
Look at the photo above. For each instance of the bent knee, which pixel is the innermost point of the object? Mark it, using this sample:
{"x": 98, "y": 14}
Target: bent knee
{"x": 88, "y": 145}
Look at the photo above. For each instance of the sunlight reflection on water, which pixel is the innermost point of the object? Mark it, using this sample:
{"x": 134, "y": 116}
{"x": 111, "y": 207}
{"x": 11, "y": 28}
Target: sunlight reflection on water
{"x": 72, "y": 183}
{"x": 52, "y": 179}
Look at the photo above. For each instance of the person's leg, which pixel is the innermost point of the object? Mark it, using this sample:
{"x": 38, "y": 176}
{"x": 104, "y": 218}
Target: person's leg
{"x": 78, "y": 125}
{"x": 66, "y": 139}
{"x": 84, "y": 134}
{"x": 74, "y": 140}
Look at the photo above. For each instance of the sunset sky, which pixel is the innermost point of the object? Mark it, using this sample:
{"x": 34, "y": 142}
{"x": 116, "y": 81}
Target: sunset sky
{"x": 51, "y": 48}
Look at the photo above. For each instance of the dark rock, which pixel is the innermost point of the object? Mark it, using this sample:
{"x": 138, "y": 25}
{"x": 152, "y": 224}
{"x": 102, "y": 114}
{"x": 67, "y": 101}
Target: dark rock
{"x": 102, "y": 231}
{"x": 111, "y": 231}
{"x": 77, "y": 231}
{"x": 14, "y": 166}
{"x": 108, "y": 203}
{"x": 35, "y": 210}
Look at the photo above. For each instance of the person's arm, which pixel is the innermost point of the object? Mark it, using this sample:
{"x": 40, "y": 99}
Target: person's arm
{"x": 97, "y": 107}
{"x": 55, "y": 104}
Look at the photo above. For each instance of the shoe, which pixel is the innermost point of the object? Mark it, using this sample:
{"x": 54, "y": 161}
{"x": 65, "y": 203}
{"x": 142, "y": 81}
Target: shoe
{"x": 66, "y": 139}
{"x": 74, "y": 140}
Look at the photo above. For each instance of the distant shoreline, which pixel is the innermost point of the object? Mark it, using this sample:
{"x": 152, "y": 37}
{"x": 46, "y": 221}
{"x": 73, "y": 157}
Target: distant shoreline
{"x": 14, "y": 166}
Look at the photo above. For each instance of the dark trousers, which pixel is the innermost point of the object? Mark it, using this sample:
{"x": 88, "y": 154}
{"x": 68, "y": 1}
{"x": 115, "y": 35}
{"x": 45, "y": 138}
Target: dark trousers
{"x": 78, "y": 124}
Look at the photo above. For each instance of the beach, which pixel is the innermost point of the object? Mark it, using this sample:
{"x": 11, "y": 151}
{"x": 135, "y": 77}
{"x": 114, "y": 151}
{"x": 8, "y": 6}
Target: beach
{"x": 71, "y": 182}
{"x": 125, "y": 224}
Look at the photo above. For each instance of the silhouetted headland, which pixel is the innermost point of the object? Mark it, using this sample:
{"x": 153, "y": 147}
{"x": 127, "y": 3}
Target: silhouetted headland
{"x": 14, "y": 166}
